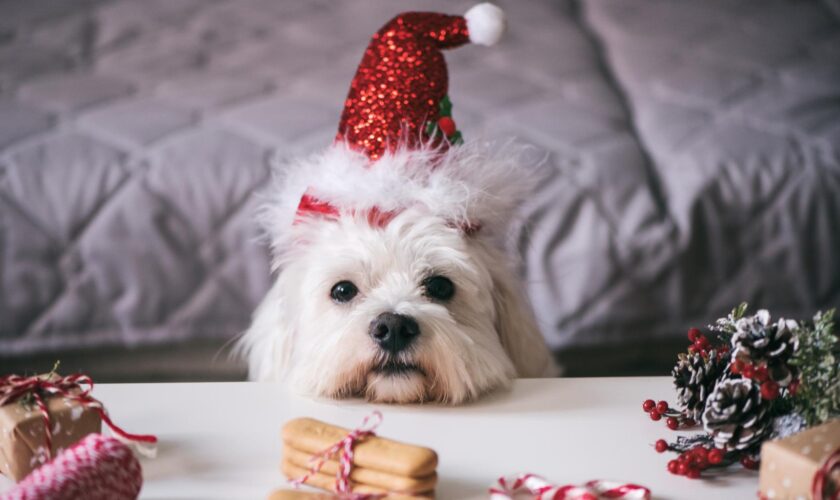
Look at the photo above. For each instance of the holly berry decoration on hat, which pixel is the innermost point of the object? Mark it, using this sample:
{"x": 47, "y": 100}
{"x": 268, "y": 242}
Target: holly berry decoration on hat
{"x": 754, "y": 380}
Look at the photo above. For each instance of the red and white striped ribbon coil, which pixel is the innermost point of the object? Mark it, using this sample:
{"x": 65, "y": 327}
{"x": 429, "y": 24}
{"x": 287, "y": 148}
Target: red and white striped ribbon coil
{"x": 537, "y": 488}
{"x": 95, "y": 468}
{"x": 344, "y": 448}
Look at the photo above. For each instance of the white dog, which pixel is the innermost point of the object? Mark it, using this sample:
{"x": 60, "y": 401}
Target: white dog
{"x": 396, "y": 288}
{"x": 422, "y": 308}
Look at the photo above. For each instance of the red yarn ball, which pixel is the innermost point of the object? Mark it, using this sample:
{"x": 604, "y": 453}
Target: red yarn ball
{"x": 101, "y": 467}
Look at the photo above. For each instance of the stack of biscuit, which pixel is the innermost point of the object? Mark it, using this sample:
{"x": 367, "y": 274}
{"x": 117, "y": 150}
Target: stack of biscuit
{"x": 402, "y": 471}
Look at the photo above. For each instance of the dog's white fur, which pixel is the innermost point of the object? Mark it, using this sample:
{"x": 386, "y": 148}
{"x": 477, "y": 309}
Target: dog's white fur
{"x": 479, "y": 340}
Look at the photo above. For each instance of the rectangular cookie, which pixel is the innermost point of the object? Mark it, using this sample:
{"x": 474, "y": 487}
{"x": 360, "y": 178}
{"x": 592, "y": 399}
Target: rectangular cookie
{"x": 327, "y": 482}
{"x": 385, "y": 455}
{"x": 364, "y": 475}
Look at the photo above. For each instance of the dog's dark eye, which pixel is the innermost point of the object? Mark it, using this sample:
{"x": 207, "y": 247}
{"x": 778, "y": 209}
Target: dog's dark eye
{"x": 439, "y": 287}
{"x": 343, "y": 291}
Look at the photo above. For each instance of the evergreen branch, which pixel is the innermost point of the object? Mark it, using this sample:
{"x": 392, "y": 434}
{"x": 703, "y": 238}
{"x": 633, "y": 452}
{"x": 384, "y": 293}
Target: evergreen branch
{"x": 817, "y": 398}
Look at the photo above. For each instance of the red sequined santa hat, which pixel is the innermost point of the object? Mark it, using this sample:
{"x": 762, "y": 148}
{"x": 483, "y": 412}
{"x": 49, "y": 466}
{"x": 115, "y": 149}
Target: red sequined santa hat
{"x": 399, "y": 93}
{"x": 393, "y": 147}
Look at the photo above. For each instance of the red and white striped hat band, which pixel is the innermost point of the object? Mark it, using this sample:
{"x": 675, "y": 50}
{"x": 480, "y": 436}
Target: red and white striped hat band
{"x": 311, "y": 206}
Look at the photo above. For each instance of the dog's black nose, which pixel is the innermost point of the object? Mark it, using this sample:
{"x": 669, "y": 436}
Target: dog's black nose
{"x": 393, "y": 332}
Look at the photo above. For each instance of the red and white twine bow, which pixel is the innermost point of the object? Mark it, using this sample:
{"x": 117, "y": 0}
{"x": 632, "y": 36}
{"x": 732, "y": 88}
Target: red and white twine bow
{"x": 511, "y": 487}
{"x": 819, "y": 483}
{"x": 14, "y": 387}
{"x": 344, "y": 448}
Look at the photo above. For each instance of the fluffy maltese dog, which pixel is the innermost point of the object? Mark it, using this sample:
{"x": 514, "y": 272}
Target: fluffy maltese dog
{"x": 391, "y": 282}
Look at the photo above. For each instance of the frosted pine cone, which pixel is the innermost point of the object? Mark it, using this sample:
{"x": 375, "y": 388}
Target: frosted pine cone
{"x": 695, "y": 376}
{"x": 735, "y": 415}
{"x": 757, "y": 341}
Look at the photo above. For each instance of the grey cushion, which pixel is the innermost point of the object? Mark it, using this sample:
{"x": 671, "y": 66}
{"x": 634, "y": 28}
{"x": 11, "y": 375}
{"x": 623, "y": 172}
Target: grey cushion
{"x": 737, "y": 105}
{"x": 692, "y": 148}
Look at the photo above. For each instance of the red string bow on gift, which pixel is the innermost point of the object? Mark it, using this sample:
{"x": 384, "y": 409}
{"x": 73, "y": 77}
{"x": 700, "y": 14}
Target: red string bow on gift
{"x": 510, "y": 487}
{"x": 819, "y": 483}
{"x": 344, "y": 448}
{"x": 71, "y": 387}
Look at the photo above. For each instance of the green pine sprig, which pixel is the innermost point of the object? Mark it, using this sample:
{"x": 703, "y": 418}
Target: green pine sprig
{"x": 817, "y": 397}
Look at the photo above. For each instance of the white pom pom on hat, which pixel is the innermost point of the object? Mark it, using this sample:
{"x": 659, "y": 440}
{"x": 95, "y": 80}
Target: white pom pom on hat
{"x": 486, "y": 23}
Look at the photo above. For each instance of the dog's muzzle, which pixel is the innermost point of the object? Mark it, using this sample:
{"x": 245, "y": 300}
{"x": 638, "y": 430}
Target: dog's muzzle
{"x": 393, "y": 332}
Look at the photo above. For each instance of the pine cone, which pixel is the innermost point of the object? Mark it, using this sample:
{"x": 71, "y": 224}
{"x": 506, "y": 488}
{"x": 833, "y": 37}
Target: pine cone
{"x": 695, "y": 376}
{"x": 735, "y": 415}
{"x": 757, "y": 341}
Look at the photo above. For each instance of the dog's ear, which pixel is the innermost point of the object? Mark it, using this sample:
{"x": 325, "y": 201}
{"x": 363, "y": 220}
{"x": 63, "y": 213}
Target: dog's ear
{"x": 517, "y": 327}
{"x": 267, "y": 345}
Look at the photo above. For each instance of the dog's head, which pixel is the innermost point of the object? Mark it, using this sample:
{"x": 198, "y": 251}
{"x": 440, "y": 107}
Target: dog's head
{"x": 406, "y": 302}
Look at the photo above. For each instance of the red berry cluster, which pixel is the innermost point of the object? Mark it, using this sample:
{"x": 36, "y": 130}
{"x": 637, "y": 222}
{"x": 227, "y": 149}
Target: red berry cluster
{"x": 701, "y": 344}
{"x": 758, "y": 373}
{"x": 674, "y": 419}
{"x": 691, "y": 463}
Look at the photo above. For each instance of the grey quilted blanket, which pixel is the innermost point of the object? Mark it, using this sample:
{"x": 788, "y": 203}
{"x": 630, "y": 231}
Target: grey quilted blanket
{"x": 695, "y": 153}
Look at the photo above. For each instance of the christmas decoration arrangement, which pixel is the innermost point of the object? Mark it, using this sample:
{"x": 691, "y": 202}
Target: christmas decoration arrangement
{"x": 747, "y": 381}
{"x": 537, "y": 488}
{"x": 44, "y": 414}
{"x": 803, "y": 465}
{"x": 356, "y": 464}
{"x": 95, "y": 468}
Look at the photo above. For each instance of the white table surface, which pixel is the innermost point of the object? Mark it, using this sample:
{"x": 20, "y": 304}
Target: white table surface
{"x": 222, "y": 440}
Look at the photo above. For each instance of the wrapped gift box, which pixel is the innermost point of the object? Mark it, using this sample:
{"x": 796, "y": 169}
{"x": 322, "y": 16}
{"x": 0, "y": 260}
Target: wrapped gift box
{"x": 788, "y": 465}
{"x": 22, "y": 432}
